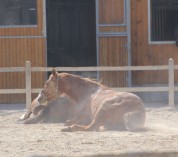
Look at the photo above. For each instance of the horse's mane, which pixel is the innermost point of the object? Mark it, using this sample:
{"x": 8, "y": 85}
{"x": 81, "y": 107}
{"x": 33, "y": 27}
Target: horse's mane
{"x": 82, "y": 80}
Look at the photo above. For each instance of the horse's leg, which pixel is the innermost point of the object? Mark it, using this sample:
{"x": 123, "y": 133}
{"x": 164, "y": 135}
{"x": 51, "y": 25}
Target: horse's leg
{"x": 80, "y": 118}
{"x": 74, "y": 120}
{"x": 24, "y": 116}
{"x": 134, "y": 120}
{"x": 93, "y": 126}
{"x": 38, "y": 118}
{"x": 37, "y": 109}
{"x": 107, "y": 117}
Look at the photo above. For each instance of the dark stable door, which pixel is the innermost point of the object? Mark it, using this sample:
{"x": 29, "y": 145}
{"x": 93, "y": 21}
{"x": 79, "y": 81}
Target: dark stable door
{"x": 71, "y": 33}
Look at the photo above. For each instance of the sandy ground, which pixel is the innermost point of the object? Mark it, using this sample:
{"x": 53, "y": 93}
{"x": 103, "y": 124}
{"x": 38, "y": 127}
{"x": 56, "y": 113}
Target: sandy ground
{"x": 19, "y": 140}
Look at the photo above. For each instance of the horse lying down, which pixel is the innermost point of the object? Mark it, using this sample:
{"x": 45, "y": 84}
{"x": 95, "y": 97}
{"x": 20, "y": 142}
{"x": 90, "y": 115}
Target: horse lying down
{"x": 58, "y": 110}
{"x": 102, "y": 107}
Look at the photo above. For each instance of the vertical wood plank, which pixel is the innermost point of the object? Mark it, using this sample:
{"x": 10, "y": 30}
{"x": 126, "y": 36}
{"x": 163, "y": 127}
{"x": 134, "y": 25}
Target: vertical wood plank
{"x": 171, "y": 82}
{"x": 28, "y": 83}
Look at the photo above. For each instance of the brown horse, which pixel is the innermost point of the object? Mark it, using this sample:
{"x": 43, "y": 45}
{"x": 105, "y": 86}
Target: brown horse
{"x": 55, "y": 111}
{"x": 104, "y": 108}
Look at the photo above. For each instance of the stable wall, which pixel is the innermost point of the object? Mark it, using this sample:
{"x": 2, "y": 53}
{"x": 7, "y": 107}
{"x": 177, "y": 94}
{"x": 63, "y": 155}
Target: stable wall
{"x": 17, "y": 45}
{"x": 145, "y": 53}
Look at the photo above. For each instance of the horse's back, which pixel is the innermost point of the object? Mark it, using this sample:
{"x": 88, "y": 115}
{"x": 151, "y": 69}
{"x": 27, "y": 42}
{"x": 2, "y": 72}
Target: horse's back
{"x": 109, "y": 98}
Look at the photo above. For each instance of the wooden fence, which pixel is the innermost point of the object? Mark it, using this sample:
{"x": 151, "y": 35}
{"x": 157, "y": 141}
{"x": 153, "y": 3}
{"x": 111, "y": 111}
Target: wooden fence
{"x": 170, "y": 88}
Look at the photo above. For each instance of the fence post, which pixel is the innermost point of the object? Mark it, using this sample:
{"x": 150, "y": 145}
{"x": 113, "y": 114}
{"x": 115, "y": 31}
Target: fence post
{"x": 171, "y": 82}
{"x": 28, "y": 83}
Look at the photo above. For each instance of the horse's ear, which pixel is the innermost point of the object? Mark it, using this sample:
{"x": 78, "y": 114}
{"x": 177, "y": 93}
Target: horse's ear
{"x": 54, "y": 72}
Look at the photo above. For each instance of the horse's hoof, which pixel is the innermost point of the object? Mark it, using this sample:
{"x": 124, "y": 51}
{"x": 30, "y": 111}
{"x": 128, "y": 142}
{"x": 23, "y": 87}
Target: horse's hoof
{"x": 66, "y": 129}
{"x": 19, "y": 121}
{"x": 102, "y": 129}
{"x": 68, "y": 123}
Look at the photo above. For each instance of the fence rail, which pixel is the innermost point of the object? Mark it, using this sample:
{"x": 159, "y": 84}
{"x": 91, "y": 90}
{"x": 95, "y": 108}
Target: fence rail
{"x": 28, "y": 69}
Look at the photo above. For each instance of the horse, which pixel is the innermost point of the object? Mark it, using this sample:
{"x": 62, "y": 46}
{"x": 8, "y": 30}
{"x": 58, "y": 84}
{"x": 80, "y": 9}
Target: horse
{"x": 104, "y": 108}
{"x": 55, "y": 111}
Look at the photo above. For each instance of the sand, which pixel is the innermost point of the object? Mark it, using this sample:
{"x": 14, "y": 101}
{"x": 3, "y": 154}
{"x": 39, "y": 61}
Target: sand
{"x": 20, "y": 140}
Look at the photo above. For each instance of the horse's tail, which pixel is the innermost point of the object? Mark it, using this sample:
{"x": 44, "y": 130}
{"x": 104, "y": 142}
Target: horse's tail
{"x": 134, "y": 120}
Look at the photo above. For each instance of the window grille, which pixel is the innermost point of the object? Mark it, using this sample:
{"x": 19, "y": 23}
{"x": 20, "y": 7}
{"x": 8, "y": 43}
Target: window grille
{"x": 164, "y": 20}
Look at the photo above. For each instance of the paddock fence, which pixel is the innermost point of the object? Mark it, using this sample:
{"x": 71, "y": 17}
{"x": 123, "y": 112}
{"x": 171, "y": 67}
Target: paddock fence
{"x": 28, "y": 90}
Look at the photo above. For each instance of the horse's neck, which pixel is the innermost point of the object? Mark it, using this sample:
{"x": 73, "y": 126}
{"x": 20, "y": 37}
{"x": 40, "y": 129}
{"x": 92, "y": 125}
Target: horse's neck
{"x": 79, "y": 90}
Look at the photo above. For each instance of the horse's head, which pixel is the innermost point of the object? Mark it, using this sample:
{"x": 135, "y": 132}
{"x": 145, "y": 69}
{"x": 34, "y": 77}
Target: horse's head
{"x": 50, "y": 90}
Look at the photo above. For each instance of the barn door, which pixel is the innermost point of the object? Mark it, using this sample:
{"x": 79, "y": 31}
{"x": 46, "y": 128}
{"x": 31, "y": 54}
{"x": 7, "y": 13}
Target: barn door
{"x": 71, "y": 33}
{"x": 113, "y": 40}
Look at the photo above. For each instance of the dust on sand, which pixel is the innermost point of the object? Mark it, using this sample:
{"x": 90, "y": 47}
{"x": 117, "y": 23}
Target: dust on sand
{"x": 19, "y": 140}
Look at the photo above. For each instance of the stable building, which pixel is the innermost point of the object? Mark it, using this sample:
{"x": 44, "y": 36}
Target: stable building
{"x": 57, "y": 33}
